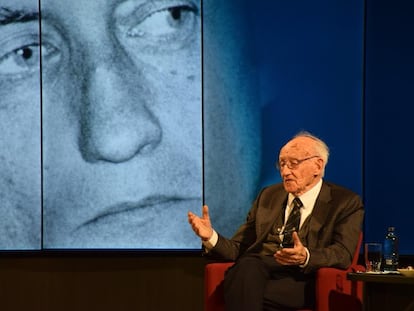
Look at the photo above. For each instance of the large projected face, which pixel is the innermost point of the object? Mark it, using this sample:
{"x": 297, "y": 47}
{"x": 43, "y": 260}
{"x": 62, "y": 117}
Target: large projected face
{"x": 121, "y": 122}
{"x": 19, "y": 126}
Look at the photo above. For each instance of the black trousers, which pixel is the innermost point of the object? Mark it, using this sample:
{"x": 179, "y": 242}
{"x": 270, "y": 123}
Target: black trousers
{"x": 257, "y": 283}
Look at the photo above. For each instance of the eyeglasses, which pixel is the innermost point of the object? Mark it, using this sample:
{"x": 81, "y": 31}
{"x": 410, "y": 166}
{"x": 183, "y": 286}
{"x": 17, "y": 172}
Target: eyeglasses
{"x": 293, "y": 163}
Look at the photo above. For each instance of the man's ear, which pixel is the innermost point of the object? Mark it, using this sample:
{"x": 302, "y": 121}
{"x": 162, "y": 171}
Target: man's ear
{"x": 320, "y": 163}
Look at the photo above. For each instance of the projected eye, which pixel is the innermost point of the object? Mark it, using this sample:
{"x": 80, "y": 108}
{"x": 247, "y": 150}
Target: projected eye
{"x": 20, "y": 56}
{"x": 22, "y": 59}
{"x": 164, "y": 25}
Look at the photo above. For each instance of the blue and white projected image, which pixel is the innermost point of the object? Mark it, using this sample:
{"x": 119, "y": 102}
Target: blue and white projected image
{"x": 121, "y": 139}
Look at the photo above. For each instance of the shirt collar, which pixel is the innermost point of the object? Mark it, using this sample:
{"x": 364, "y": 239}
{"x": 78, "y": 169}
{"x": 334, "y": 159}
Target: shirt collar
{"x": 308, "y": 198}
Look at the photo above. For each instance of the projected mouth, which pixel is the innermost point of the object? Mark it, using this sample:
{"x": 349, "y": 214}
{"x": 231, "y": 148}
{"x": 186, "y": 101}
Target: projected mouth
{"x": 145, "y": 204}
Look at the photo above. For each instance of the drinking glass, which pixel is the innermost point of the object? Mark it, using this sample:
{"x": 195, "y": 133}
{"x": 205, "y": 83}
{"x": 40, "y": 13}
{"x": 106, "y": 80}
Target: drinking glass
{"x": 373, "y": 257}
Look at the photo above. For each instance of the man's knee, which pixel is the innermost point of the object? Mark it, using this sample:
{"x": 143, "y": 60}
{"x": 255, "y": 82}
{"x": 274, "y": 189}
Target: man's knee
{"x": 247, "y": 265}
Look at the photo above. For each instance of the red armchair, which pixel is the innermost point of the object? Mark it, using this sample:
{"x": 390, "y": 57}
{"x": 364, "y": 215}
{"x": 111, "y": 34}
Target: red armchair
{"x": 333, "y": 291}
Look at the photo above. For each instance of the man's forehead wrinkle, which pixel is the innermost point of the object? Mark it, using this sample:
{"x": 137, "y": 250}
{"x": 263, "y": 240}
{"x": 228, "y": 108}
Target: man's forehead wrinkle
{"x": 293, "y": 146}
{"x": 8, "y": 15}
{"x": 297, "y": 147}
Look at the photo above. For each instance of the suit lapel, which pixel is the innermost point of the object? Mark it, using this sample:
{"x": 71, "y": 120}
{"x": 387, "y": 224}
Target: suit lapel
{"x": 269, "y": 216}
{"x": 271, "y": 213}
{"x": 319, "y": 214}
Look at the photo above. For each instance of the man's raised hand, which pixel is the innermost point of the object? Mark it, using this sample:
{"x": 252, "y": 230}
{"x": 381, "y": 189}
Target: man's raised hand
{"x": 201, "y": 225}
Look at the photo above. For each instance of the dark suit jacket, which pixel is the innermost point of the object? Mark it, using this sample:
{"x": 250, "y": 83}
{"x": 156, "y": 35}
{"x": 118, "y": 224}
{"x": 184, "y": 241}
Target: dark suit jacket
{"x": 330, "y": 233}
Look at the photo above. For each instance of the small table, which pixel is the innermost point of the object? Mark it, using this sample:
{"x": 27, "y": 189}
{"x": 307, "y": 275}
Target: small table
{"x": 386, "y": 291}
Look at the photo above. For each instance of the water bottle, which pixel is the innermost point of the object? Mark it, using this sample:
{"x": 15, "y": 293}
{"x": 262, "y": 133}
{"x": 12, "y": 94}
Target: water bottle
{"x": 390, "y": 250}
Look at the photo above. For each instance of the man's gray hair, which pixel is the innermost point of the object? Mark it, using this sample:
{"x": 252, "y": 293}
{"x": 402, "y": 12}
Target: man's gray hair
{"x": 321, "y": 148}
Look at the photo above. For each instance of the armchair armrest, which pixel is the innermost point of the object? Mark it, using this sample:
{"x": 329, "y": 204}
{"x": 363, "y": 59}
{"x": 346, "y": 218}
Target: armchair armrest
{"x": 213, "y": 292}
{"x": 334, "y": 292}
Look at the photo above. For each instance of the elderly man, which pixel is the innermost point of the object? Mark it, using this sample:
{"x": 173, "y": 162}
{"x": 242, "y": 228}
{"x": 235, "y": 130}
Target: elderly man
{"x": 292, "y": 229}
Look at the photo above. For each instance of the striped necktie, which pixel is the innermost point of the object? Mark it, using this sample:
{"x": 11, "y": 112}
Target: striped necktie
{"x": 292, "y": 224}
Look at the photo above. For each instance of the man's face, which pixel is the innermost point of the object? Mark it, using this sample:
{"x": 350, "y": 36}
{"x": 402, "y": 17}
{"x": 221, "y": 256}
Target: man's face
{"x": 121, "y": 109}
{"x": 305, "y": 174}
